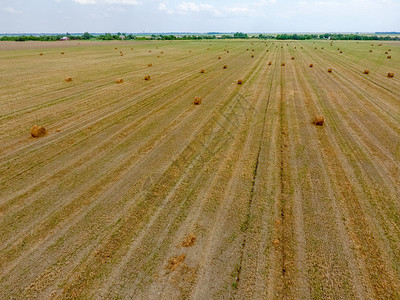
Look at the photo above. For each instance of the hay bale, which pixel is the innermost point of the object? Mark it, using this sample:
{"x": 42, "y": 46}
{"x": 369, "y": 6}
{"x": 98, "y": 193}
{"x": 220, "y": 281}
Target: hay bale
{"x": 131, "y": 48}
{"x": 115, "y": 48}
{"x": 41, "y": 54}
{"x": 366, "y": 71}
{"x": 341, "y": 51}
{"x": 197, "y": 100}
{"x": 252, "y": 56}
{"x": 162, "y": 52}
{"x": 38, "y": 131}
{"x": 370, "y": 51}
{"x": 68, "y": 79}
{"x": 189, "y": 241}
{"x": 149, "y": 51}
{"x": 386, "y": 52}
{"x": 120, "y": 80}
{"x": 240, "y": 81}
{"x": 247, "y": 49}
{"x": 329, "y": 70}
{"x": 292, "y": 58}
{"x": 120, "y": 51}
{"x": 315, "y": 47}
{"x": 311, "y": 65}
{"x": 322, "y": 48}
{"x": 389, "y": 49}
{"x": 150, "y": 65}
{"x": 121, "y": 54}
{"x": 283, "y": 64}
{"x": 62, "y": 53}
{"x": 270, "y": 63}
{"x": 301, "y": 47}
{"x": 147, "y": 77}
{"x": 390, "y": 75}
{"x": 219, "y": 57}
{"x": 225, "y": 67}
{"x": 227, "y": 51}
{"x": 174, "y": 262}
{"x": 389, "y": 57}
{"x": 319, "y": 120}
{"x": 202, "y": 71}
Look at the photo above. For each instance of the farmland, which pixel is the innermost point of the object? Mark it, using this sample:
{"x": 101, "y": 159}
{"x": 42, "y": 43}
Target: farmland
{"x": 134, "y": 192}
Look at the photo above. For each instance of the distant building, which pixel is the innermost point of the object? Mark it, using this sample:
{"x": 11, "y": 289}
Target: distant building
{"x": 122, "y": 37}
{"x": 65, "y": 38}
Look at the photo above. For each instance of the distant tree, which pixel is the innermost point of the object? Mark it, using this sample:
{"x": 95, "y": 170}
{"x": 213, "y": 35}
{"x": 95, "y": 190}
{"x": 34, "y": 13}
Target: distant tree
{"x": 86, "y": 36}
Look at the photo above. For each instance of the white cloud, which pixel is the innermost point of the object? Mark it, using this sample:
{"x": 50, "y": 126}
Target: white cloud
{"x": 12, "y": 10}
{"x": 163, "y": 7}
{"x": 124, "y": 2}
{"x": 84, "y": 2}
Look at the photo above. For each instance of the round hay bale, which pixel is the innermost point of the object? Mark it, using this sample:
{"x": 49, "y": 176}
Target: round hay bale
{"x": 149, "y": 51}
{"x": 390, "y": 75}
{"x": 115, "y": 48}
{"x": 68, "y": 79}
{"x": 370, "y": 51}
{"x": 147, "y": 77}
{"x": 252, "y": 56}
{"x": 202, "y": 71}
{"x": 386, "y": 52}
{"x": 301, "y": 47}
{"x": 120, "y": 51}
{"x": 227, "y": 51}
{"x": 366, "y": 71}
{"x": 162, "y": 52}
{"x": 311, "y": 65}
{"x": 120, "y": 80}
{"x": 389, "y": 49}
{"x": 38, "y": 131}
{"x": 329, "y": 70}
{"x": 322, "y": 48}
{"x": 150, "y": 65}
{"x": 389, "y": 57}
{"x": 341, "y": 51}
{"x": 62, "y": 53}
{"x": 121, "y": 54}
{"x": 219, "y": 57}
{"x": 315, "y": 47}
{"x": 270, "y": 63}
{"x": 247, "y": 49}
{"x": 131, "y": 48}
{"x": 197, "y": 100}
{"x": 292, "y": 58}
{"x": 319, "y": 120}
{"x": 41, "y": 54}
{"x": 283, "y": 64}
{"x": 225, "y": 67}
{"x": 240, "y": 81}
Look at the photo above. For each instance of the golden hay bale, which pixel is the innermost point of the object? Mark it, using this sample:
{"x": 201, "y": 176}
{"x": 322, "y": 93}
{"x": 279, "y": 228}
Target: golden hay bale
{"x": 240, "y": 81}
{"x": 175, "y": 261}
{"x": 252, "y": 50}
{"x": 189, "y": 241}
{"x": 227, "y": 51}
{"x": 149, "y": 51}
{"x": 158, "y": 56}
{"x": 247, "y": 49}
{"x": 390, "y": 75}
{"x": 319, "y": 120}
{"x": 202, "y": 71}
{"x": 311, "y": 65}
{"x": 338, "y": 48}
{"x": 115, "y": 48}
{"x": 68, "y": 79}
{"x": 267, "y": 50}
{"x": 62, "y": 53}
{"x": 120, "y": 80}
{"x": 252, "y": 56}
{"x": 197, "y": 100}
{"x": 389, "y": 49}
{"x": 121, "y": 54}
{"x": 389, "y": 56}
{"x": 370, "y": 50}
{"x": 380, "y": 45}
{"x": 225, "y": 67}
{"x": 292, "y": 58}
{"x": 162, "y": 52}
{"x": 366, "y": 71}
{"x": 147, "y": 77}
{"x": 283, "y": 64}
{"x": 41, "y": 54}
{"x": 38, "y": 131}
{"x": 219, "y": 57}
{"x": 131, "y": 48}
{"x": 329, "y": 70}
{"x": 120, "y": 51}
{"x": 295, "y": 48}
{"x": 150, "y": 65}
{"x": 322, "y": 47}
{"x": 270, "y": 63}
{"x": 386, "y": 52}
{"x": 301, "y": 47}
{"x": 341, "y": 51}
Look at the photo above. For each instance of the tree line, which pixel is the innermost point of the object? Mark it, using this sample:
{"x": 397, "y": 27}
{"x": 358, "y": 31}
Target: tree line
{"x": 237, "y": 35}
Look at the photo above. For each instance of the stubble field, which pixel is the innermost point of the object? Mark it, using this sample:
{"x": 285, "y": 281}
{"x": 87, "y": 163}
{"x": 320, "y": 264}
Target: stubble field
{"x": 135, "y": 192}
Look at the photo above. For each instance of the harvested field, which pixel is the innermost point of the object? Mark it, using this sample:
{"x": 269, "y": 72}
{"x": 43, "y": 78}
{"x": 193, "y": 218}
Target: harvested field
{"x": 134, "y": 192}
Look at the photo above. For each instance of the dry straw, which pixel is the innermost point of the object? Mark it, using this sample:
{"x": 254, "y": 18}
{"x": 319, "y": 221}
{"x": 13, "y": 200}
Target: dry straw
{"x": 366, "y": 71}
{"x": 147, "y": 77}
{"x": 202, "y": 71}
{"x": 270, "y": 63}
{"x": 283, "y": 64}
{"x": 330, "y": 70}
{"x": 150, "y": 65}
{"x": 38, "y": 131}
{"x": 390, "y": 75}
{"x": 319, "y": 120}
{"x": 68, "y": 79}
{"x": 225, "y": 67}
{"x": 240, "y": 81}
{"x": 197, "y": 100}
{"x": 120, "y": 80}
{"x": 311, "y": 65}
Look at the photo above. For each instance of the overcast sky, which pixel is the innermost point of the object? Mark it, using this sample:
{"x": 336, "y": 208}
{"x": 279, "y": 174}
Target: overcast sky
{"x": 60, "y": 16}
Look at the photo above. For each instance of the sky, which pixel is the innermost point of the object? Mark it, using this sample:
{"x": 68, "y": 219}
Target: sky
{"x": 136, "y": 16}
